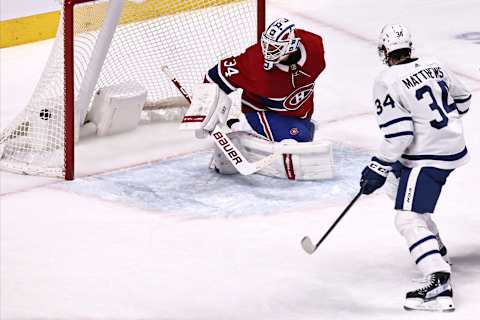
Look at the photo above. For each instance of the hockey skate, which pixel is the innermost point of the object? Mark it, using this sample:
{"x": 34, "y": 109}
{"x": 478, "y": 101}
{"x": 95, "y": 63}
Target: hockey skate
{"x": 436, "y": 295}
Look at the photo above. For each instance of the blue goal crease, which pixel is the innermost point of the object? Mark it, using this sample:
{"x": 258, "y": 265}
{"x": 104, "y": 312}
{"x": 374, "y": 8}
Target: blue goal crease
{"x": 186, "y": 186}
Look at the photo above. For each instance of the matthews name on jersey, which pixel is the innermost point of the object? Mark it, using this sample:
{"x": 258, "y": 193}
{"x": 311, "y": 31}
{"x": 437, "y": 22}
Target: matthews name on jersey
{"x": 286, "y": 89}
{"x": 419, "y": 105}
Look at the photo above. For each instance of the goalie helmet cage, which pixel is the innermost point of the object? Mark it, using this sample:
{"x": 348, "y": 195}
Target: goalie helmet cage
{"x": 104, "y": 43}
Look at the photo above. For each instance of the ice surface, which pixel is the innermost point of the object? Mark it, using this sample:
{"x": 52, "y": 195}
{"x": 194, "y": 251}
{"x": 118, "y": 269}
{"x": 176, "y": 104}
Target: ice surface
{"x": 11, "y": 9}
{"x": 186, "y": 186}
{"x": 99, "y": 248}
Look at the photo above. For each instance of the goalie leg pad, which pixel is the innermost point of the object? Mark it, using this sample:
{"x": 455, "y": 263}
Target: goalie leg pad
{"x": 295, "y": 161}
{"x": 220, "y": 162}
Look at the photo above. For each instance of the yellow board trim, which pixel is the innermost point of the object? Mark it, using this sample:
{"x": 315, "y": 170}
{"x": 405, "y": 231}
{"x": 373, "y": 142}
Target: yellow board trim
{"x": 148, "y": 9}
{"x": 28, "y": 29}
{"x": 44, "y": 26}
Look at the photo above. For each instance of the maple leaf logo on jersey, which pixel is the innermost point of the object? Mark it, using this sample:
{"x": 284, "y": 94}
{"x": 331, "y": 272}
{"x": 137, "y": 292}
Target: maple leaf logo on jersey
{"x": 298, "y": 97}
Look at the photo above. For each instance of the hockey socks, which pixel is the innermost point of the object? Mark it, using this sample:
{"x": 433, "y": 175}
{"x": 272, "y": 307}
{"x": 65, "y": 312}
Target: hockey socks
{"x": 422, "y": 243}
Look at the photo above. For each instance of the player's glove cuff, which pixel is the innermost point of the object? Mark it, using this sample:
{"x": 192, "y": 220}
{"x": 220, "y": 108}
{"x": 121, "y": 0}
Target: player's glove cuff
{"x": 374, "y": 175}
{"x": 380, "y": 167}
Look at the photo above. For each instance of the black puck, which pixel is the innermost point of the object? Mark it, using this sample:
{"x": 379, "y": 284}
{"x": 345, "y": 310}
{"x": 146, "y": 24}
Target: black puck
{"x": 45, "y": 114}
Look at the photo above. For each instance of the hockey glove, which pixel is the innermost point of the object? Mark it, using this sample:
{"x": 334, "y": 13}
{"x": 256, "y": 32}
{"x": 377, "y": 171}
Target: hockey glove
{"x": 374, "y": 175}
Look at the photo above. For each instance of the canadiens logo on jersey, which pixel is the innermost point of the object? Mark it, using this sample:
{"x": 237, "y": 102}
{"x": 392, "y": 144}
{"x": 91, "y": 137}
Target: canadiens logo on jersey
{"x": 298, "y": 97}
{"x": 284, "y": 89}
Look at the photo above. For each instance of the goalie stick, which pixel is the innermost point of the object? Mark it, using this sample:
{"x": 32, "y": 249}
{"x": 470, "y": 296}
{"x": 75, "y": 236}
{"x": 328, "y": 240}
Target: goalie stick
{"x": 307, "y": 243}
{"x": 221, "y": 139}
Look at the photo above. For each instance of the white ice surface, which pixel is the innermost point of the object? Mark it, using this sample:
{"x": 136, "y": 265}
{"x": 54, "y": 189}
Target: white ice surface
{"x": 11, "y": 9}
{"x": 183, "y": 185}
{"x": 69, "y": 251}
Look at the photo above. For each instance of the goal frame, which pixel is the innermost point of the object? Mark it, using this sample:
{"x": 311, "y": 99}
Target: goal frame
{"x": 69, "y": 81}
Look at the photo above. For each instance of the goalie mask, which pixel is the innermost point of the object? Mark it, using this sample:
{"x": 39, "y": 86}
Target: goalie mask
{"x": 393, "y": 37}
{"x": 278, "y": 41}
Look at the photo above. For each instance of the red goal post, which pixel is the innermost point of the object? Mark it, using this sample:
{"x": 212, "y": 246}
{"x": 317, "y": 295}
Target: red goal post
{"x": 102, "y": 43}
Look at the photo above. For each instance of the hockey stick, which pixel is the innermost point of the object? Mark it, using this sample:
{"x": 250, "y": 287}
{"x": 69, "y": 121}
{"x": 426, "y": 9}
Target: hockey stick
{"x": 221, "y": 139}
{"x": 307, "y": 243}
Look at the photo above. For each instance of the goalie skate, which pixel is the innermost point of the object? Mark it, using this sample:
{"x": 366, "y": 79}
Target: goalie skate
{"x": 436, "y": 295}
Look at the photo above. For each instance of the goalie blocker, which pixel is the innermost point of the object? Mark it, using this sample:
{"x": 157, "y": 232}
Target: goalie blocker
{"x": 236, "y": 150}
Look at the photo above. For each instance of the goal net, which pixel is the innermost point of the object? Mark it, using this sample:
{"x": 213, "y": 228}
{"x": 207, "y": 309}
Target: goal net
{"x": 105, "y": 43}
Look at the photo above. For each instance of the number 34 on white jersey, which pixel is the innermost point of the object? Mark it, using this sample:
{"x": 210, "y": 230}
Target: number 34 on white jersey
{"x": 419, "y": 105}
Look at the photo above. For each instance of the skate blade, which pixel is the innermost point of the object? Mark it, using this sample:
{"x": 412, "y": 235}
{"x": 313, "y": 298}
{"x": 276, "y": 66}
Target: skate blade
{"x": 442, "y": 304}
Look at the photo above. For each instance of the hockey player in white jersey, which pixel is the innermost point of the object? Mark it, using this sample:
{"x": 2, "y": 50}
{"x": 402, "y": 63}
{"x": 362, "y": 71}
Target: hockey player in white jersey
{"x": 419, "y": 105}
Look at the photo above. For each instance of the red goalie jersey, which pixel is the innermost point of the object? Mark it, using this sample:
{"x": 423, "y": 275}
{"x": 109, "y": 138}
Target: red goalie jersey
{"x": 286, "y": 89}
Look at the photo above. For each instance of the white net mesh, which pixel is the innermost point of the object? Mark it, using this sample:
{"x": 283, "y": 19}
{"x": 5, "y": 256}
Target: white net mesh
{"x": 188, "y": 36}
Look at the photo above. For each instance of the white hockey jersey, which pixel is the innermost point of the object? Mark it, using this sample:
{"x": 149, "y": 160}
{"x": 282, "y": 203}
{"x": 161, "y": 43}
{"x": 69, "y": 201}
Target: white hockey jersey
{"x": 419, "y": 105}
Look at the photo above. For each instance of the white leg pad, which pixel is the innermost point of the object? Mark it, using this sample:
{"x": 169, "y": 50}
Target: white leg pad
{"x": 219, "y": 161}
{"x": 295, "y": 160}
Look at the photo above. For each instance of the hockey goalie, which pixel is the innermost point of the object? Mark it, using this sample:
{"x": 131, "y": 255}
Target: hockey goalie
{"x": 274, "y": 134}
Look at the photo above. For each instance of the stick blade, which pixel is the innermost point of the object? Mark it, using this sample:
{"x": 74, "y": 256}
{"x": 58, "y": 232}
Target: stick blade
{"x": 248, "y": 168}
{"x": 307, "y": 245}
